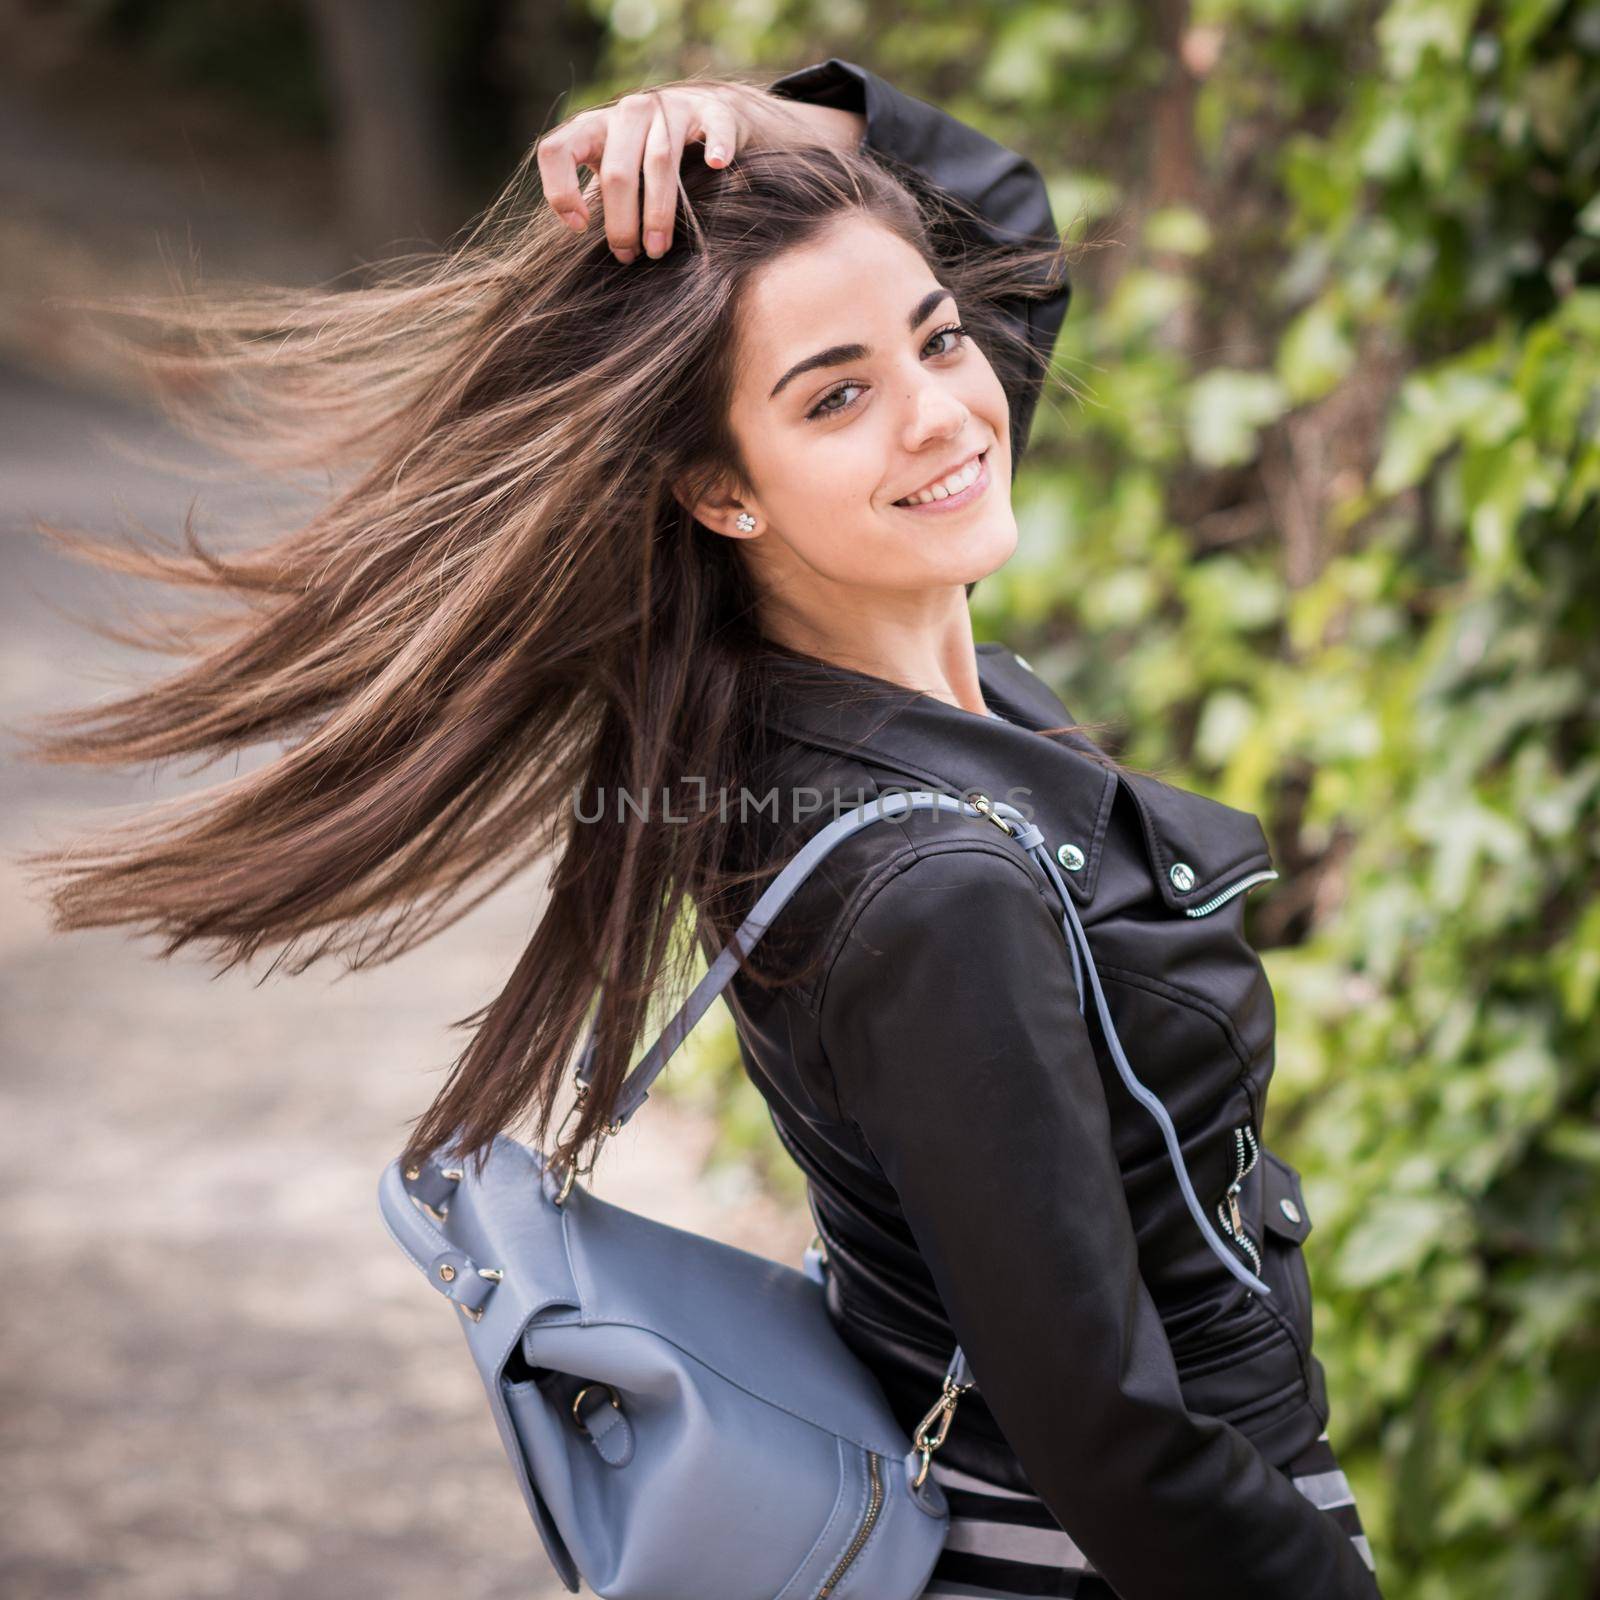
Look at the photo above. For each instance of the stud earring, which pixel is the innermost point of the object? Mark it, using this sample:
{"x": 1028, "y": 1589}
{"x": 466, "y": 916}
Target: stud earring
{"x": 745, "y": 522}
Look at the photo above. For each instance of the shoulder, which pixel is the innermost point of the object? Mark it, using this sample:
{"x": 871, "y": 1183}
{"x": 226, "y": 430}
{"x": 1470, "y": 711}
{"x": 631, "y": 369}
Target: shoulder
{"x": 934, "y": 895}
{"x": 881, "y": 876}
{"x": 953, "y": 958}
{"x": 952, "y": 891}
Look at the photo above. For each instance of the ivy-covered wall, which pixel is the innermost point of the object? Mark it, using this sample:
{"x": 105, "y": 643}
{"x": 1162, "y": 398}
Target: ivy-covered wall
{"x": 1319, "y": 534}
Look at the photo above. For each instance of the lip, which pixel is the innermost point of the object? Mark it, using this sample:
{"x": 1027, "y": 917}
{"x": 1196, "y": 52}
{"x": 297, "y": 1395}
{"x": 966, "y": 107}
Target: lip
{"x": 954, "y": 502}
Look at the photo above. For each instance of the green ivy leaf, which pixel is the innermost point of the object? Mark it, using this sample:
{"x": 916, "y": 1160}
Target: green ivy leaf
{"x": 1227, "y": 409}
{"x": 1395, "y": 1236}
{"x": 1315, "y": 353}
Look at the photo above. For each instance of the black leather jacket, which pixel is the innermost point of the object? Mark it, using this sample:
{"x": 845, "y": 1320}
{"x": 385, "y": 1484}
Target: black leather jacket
{"x": 976, "y": 1169}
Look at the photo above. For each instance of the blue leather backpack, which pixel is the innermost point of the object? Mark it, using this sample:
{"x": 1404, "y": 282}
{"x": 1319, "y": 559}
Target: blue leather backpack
{"x": 682, "y": 1416}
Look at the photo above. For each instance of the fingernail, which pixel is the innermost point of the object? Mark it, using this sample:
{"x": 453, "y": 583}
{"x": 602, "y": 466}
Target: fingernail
{"x": 576, "y": 221}
{"x": 717, "y": 153}
{"x": 655, "y": 242}
{"x": 625, "y": 256}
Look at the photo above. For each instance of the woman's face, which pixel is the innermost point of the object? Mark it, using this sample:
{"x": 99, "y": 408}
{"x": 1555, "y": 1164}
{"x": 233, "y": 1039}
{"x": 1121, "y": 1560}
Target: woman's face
{"x": 854, "y": 393}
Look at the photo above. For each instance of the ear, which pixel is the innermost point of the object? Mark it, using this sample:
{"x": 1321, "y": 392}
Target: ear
{"x": 721, "y": 507}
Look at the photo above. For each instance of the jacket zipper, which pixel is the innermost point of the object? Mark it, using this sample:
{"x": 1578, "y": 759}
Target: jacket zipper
{"x": 874, "y": 1505}
{"x": 1228, "y": 1212}
{"x": 1227, "y": 894}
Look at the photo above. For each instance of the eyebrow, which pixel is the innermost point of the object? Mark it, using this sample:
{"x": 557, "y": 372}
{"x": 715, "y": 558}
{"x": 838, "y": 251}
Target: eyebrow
{"x": 837, "y": 354}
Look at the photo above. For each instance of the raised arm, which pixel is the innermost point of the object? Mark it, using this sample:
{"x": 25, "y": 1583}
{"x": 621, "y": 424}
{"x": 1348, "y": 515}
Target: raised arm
{"x": 1003, "y": 188}
{"x": 633, "y": 147}
{"x": 962, "y": 1057}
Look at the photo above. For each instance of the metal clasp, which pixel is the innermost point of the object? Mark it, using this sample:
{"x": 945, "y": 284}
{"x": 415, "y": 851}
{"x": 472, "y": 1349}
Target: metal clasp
{"x": 572, "y": 1170}
{"x": 983, "y": 804}
{"x": 941, "y": 1412}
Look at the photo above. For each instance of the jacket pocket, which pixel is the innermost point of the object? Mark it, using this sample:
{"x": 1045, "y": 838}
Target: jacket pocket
{"x": 1247, "y": 1366}
{"x": 1286, "y": 1222}
{"x": 1239, "y": 1343}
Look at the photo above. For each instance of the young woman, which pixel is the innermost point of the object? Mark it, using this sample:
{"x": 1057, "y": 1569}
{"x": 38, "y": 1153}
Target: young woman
{"x": 681, "y": 499}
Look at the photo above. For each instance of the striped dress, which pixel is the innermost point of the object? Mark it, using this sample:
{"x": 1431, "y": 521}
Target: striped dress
{"x": 1003, "y": 1545}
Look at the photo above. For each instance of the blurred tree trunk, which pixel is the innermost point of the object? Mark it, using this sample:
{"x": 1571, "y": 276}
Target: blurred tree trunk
{"x": 393, "y": 165}
{"x": 555, "y": 46}
{"x": 1174, "y": 173}
{"x": 1174, "y": 159}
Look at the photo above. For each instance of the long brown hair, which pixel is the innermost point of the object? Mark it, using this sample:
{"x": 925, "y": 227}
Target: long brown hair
{"x": 502, "y": 607}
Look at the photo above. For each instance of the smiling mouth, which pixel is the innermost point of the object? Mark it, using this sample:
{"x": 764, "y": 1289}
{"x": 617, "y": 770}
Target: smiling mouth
{"x": 972, "y": 479}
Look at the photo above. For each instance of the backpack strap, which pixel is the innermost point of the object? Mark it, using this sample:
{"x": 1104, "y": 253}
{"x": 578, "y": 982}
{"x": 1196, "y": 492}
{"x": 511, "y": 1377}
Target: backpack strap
{"x": 636, "y": 1086}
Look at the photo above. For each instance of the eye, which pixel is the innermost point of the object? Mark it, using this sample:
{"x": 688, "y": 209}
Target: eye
{"x": 954, "y": 331}
{"x": 822, "y": 407}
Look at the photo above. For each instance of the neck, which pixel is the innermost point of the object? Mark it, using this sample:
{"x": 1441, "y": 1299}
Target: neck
{"x": 937, "y": 660}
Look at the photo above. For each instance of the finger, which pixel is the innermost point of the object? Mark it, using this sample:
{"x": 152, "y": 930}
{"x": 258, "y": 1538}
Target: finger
{"x": 663, "y": 149}
{"x": 626, "y": 130}
{"x": 559, "y": 154}
{"x": 719, "y": 129}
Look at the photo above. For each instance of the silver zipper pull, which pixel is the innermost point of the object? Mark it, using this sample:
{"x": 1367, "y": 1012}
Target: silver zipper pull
{"x": 1235, "y": 1216}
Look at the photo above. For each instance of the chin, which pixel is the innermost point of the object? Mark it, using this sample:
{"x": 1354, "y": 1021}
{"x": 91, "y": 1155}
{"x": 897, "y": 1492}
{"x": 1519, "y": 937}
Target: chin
{"x": 991, "y": 546}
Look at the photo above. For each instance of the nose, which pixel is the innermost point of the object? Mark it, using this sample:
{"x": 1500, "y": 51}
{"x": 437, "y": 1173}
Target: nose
{"x": 935, "y": 413}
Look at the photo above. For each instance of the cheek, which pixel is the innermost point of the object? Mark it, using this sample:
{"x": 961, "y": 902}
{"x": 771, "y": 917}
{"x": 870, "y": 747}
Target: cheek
{"x": 844, "y": 465}
{"x": 801, "y": 468}
{"x": 991, "y": 405}
{"x": 846, "y": 472}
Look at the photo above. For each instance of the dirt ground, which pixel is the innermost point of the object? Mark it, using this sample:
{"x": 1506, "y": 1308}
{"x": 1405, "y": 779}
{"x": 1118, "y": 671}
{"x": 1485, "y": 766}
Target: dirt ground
{"x": 220, "y": 1377}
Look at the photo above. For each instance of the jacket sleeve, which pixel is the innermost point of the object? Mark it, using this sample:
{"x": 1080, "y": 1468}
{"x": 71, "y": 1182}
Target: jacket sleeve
{"x": 957, "y": 1049}
{"x": 1003, "y": 188}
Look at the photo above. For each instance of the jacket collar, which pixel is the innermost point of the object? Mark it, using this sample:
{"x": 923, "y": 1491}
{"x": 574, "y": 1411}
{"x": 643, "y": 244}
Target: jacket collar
{"x": 1045, "y": 775}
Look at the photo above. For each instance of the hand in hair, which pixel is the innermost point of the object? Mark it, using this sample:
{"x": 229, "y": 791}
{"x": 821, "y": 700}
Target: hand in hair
{"x": 645, "y": 134}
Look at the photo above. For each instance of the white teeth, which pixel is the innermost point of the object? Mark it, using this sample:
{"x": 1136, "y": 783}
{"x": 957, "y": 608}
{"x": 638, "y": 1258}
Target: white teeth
{"x": 954, "y": 484}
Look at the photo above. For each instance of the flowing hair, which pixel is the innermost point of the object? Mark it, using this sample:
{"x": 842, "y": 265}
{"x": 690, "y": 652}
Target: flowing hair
{"x": 499, "y": 607}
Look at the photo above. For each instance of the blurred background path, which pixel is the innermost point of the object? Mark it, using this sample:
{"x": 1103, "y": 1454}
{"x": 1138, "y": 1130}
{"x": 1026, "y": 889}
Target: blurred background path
{"x": 220, "y": 1377}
